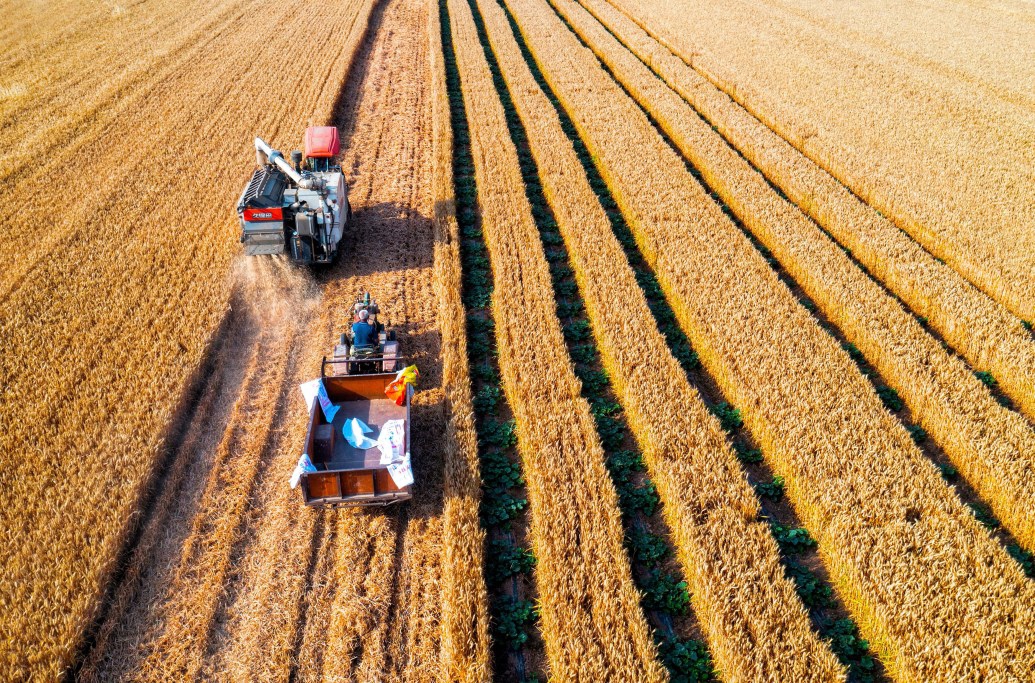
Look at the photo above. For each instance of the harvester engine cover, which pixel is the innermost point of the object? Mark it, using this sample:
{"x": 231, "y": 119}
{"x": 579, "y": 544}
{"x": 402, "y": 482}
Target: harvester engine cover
{"x": 298, "y": 207}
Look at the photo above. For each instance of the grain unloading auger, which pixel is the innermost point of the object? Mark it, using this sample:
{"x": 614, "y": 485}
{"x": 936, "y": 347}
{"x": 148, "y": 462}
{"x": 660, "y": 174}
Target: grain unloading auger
{"x": 299, "y": 207}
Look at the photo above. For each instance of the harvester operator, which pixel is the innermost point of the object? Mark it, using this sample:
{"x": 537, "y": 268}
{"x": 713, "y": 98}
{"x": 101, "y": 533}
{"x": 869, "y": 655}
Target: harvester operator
{"x": 364, "y": 335}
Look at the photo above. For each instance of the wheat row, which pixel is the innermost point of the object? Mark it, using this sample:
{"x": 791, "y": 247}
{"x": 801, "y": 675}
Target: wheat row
{"x": 902, "y": 550}
{"x": 983, "y": 54}
{"x": 756, "y": 626}
{"x": 591, "y": 621}
{"x": 994, "y": 447}
{"x": 465, "y": 639}
{"x": 990, "y": 337}
{"x": 947, "y": 161}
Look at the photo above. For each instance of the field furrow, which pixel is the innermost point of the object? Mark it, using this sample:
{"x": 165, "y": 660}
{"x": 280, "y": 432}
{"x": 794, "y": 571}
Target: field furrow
{"x": 592, "y": 623}
{"x": 880, "y": 512}
{"x": 989, "y": 337}
{"x": 517, "y": 647}
{"x": 657, "y": 576}
{"x": 992, "y": 446}
{"x": 738, "y": 588}
{"x": 465, "y": 654}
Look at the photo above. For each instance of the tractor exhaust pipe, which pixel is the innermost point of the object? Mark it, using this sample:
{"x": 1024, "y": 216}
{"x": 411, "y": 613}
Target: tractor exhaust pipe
{"x": 275, "y": 157}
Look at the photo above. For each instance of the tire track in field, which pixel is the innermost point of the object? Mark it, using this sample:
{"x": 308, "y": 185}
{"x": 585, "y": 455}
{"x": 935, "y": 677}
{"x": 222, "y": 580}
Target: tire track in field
{"x": 161, "y": 609}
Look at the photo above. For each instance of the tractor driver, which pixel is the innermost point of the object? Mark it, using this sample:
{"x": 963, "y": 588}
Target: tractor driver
{"x": 364, "y": 335}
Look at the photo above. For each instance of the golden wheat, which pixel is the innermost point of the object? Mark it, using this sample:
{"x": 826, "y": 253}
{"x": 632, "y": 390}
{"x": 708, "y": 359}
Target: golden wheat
{"x": 949, "y": 162}
{"x": 591, "y": 620}
{"x": 993, "y": 447}
{"x": 901, "y": 548}
{"x": 757, "y": 627}
{"x": 989, "y": 337}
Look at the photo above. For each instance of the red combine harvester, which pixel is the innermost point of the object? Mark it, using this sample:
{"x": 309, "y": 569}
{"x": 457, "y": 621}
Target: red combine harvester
{"x": 300, "y": 208}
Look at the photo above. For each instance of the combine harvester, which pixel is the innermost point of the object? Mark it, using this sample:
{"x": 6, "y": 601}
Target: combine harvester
{"x": 299, "y": 208}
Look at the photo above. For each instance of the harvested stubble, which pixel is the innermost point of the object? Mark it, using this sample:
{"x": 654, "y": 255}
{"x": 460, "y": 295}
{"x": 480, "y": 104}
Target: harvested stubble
{"x": 102, "y": 325}
{"x": 206, "y": 557}
{"x": 382, "y": 627}
{"x": 992, "y": 446}
{"x": 592, "y": 624}
{"x": 233, "y": 367}
{"x": 989, "y": 337}
{"x": 947, "y": 160}
{"x": 902, "y": 550}
{"x": 466, "y": 653}
{"x": 738, "y": 586}
{"x": 312, "y": 639}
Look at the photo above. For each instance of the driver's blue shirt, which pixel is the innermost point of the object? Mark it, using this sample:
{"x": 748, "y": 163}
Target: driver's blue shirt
{"x": 363, "y": 334}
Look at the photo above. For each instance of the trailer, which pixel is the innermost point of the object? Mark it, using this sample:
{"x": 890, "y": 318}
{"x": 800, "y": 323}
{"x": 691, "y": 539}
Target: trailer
{"x": 348, "y": 476}
{"x": 366, "y": 390}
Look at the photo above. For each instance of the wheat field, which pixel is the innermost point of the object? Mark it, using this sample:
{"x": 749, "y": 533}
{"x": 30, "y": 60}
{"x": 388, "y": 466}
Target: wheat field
{"x": 723, "y": 315}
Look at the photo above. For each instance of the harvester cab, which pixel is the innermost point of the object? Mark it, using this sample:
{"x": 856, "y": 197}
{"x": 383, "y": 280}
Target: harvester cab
{"x": 300, "y": 207}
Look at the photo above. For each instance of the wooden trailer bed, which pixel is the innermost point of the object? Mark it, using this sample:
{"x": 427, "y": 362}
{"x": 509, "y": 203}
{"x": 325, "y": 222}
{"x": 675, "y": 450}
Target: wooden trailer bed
{"x": 347, "y": 475}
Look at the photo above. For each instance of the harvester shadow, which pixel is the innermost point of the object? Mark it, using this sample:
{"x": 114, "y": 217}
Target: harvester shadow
{"x": 382, "y": 238}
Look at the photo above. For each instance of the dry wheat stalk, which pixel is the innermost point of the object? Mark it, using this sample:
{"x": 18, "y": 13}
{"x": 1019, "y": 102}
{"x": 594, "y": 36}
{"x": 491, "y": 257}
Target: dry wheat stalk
{"x": 902, "y": 550}
{"x": 947, "y": 160}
